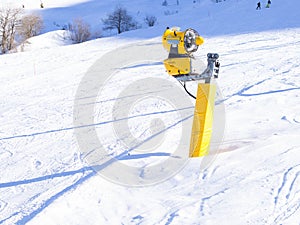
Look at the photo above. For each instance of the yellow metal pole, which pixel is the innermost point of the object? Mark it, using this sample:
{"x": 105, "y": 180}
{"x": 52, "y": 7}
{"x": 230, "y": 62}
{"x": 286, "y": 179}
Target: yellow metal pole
{"x": 203, "y": 120}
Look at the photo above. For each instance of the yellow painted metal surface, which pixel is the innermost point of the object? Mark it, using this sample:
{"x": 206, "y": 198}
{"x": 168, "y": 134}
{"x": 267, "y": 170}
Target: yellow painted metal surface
{"x": 176, "y": 66}
{"x": 203, "y": 120}
{"x": 175, "y": 37}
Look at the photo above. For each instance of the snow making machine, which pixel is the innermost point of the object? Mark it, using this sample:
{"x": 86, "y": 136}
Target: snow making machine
{"x": 180, "y": 64}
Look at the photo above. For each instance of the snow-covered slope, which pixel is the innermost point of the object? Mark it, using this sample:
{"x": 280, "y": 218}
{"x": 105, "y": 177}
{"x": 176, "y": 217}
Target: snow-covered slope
{"x": 254, "y": 178}
{"x": 209, "y": 18}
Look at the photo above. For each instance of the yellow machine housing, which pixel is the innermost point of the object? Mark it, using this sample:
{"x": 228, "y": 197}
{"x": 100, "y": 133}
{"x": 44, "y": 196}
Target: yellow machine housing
{"x": 185, "y": 42}
{"x": 180, "y": 45}
{"x": 177, "y": 66}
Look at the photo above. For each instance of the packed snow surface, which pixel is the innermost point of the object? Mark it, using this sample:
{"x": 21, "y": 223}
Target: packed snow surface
{"x": 254, "y": 178}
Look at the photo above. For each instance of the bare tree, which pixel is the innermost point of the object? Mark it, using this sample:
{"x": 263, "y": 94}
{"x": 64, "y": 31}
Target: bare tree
{"x": 31, "y": 25}
{"x": 119, "y": 19}
{"x": 79, "y": 30}
{"x": 150, "y": 20}
{"x": 9, "y": 21}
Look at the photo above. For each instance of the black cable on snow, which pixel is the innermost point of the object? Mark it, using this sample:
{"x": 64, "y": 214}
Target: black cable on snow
{"x": 184, "y": 86}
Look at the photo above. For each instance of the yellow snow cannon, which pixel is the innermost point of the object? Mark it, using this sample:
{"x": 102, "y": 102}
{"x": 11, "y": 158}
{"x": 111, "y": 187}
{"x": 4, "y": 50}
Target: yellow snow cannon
{"x": 180, "y": 45}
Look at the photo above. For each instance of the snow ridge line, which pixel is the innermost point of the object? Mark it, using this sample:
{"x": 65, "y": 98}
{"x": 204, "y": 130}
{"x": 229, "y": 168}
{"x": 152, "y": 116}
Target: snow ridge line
{"x": 117, "y": 98}
{"x": 90, "y": 125}
{"x": 172, "y": 217}
{"x": 288, "y": 212}
{"x": 152, "y": 136}
{"x": 11, "y": 216}
{"x": 286, "y": 209}
{"x": 284, "y": 181}
{"x": 46, "y": 177}
{"x": 243, "y": 90}
{"x": 203, "y": 200}
{"x": 271, "y": 92}
{"x": 292, "y": 185}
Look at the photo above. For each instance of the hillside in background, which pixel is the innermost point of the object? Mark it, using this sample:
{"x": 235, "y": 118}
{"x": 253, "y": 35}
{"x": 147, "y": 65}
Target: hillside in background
{"x": 254, "y": 177}
{"x": 209, "y": 18}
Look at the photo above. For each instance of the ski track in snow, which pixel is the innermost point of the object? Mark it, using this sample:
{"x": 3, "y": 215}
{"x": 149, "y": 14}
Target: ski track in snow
{"x": 287, "y": 199}
{"x": 245, "y": 89}
{"x": 204, "y": 200}
{"x": 34, "y": 205}
{"x": 40, "y": 206}
{"x": 46, "y": 203}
